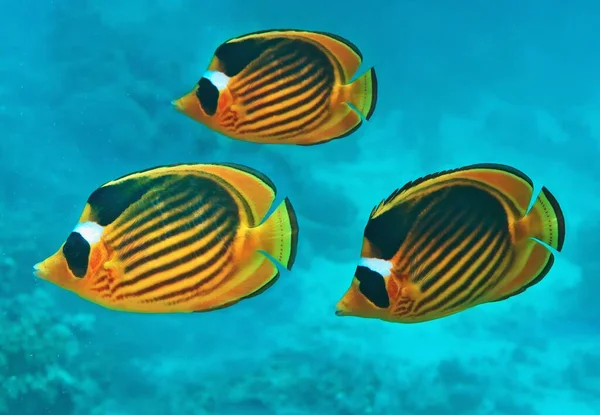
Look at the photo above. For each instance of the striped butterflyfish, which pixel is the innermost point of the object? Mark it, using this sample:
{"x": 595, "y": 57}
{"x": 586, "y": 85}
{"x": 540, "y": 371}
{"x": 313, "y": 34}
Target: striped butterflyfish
{"x": 178, "y": 238}
{"x": 453, "y": 240}
{"x": 283, "y": 87}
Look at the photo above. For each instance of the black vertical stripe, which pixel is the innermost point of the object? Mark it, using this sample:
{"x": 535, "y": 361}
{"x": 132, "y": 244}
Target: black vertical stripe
{"x": 289, "y": 97}
{"x": 422, "y": 234}
{"x": 465, "y": 273}
{"x": 483, "y": 274}
{"x": 183, "y": 224}
{"x": 309, "y": 115}
{"x": 205, "y": 208}
{"x": 445, "y": 245}
{"x": 147, "y": 224}
{"x": 397, "y": 228}
{"x": 227, "y": 231}
{"x": 194, "y": 272}
{"x": 285, "y": 91}
{"x": 285, "y": 53}
{"x": 165, "y": 241}
{"x": 428, "y": 235}
{"x": 170, "y": 191}
{"x": 311, "y": 122}
{"x": 497, "y": 242}
{"x": 269, "y": 82}
{"x": 447, "y": 252}
{"x": 449, "y": 270}
{"x": 476, "y": 275}
{"x": 285, "y": 108}
{"x": 223, "y": 271}
{"x": 502, "y": 263}
{"x": 271, "y": 62}
{"x": 293, "y": 88}
{"x": 286, "y": 78}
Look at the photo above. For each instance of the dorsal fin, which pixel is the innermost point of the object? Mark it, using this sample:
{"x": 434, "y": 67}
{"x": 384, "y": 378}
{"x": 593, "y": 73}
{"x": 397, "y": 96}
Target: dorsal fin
{"x": 395, "y": 197}
{"x": 458, "y": 173}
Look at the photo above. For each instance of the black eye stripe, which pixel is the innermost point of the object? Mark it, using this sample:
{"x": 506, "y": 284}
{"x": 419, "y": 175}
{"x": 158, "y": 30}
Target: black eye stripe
{"x": 372, "y": 285}
{"x": 77, "y": 253}
{"x": 208, "y": 95}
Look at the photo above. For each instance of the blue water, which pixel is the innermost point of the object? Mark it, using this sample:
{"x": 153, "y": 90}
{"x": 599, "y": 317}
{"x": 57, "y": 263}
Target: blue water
{"x": 85, "y": 97}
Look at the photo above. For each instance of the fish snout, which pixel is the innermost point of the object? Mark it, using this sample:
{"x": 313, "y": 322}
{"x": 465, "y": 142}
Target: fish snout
{"x": 341, "y": 309}
{"x": 190, "y": 106}
{"x": 178, "y": 104}
{"x": 39, "y": 270}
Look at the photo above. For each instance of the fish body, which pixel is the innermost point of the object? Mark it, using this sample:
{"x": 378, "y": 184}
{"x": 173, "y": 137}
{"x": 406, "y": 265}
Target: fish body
{"x": 452, "y": 240}
{"x": 283, "y": 87}
{"x": 179, "y": 238}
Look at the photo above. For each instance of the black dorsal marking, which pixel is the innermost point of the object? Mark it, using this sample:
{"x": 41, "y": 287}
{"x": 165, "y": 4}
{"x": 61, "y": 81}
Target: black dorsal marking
{"x": 389, "y": 231}
{"x": 110, "y": 201}
{"x": 372, "y": 285}
{"x": 77, "y": 253}
{"x": 208, "y": 95}
{"x": 237, "y": 55}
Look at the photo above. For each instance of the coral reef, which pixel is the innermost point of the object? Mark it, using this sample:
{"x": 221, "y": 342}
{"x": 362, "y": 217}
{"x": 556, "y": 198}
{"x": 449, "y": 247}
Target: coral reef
{"x": 39, "y": 348}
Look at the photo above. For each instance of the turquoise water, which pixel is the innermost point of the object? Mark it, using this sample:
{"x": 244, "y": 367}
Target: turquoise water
{"x": 85, "y": 97}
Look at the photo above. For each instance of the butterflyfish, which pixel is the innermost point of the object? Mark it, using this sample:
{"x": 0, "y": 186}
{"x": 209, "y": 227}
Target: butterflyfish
{"x": 283, "y": 87}
{"x": 178, "y": 238}
{"x": 453, "y": 240}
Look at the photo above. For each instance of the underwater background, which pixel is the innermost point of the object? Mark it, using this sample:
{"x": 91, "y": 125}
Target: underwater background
{"x": 85, "y": 98}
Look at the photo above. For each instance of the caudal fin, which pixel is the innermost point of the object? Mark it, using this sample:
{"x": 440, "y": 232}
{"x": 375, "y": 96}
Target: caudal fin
{"x": 279, "y": 234}
{"x": 544, "y": 222}
{"x": 547, "y": 222}
{"x": 363, "y": 93}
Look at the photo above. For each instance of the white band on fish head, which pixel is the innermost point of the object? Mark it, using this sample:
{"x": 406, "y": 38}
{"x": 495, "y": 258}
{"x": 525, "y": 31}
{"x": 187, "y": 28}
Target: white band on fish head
{"x": 90, "y": 231}
{"x": 218, "y": 79}
{"x": 380, "y": 266}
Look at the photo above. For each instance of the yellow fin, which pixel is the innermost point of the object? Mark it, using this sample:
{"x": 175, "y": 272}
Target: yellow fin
{"x": 254, "y": 187}
{"x": 505, "y": 180}
{"x": 362, "y": 93}
{"x": 278, "y": 234}
{"x": 345, "y": 52}
{"x": 544, "y": 222}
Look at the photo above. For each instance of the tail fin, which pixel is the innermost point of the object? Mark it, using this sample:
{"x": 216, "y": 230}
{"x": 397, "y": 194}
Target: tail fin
{"x": 363, "y": 93}
{"x": 279, "y": 234}
{"x": 547, "y": 222}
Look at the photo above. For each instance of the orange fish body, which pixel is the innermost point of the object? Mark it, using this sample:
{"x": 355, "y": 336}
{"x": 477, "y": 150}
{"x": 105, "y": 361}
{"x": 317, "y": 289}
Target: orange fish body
{"x": 451, "y": 241}
{"x": 182, "y": 238}
{"x": 283, "y": 87}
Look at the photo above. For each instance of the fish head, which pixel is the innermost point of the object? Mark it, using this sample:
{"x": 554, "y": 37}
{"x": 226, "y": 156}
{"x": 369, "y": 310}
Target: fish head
{"x": 208, "y": 101}
{"x": 78, "y": 264}
{"x": 368, "y": 295}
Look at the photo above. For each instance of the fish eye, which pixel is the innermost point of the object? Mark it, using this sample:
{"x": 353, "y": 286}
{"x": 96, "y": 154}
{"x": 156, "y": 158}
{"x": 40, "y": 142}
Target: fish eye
{"x": 372, "y": 286}
{"x": 76, "y": 251}
{"x": 208, "y": 96}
